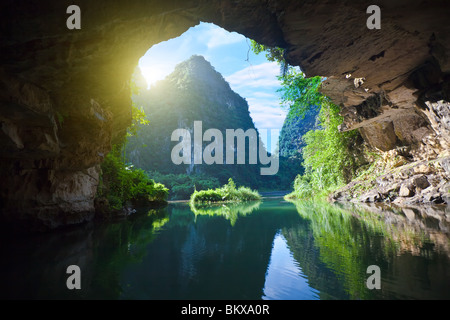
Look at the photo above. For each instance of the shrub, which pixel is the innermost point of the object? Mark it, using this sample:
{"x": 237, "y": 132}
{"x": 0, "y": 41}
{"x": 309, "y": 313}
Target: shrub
{"x": 302, "y": 188}
{"x": 122, "y": 184}
{"x": 181, "y": 186}
{"x": 227, "y": 193}
{"x": 207, "y": 196}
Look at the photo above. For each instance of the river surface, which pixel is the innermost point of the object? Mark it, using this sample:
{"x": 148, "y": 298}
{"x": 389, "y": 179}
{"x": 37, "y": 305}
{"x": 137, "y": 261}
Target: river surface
{"x": 271, "y": 249}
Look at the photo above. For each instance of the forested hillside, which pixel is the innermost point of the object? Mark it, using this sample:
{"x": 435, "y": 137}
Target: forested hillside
{"x": 195, "y": 91}
{"x": 291, "y": 140}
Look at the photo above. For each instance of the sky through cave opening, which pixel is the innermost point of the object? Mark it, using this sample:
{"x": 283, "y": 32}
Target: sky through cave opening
{"x": 251, "y": 76}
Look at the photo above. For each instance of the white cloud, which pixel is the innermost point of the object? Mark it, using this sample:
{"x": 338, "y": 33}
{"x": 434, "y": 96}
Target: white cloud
{"x": 265, "y": 95}
{"x": 261, "y": 75}
{"x": 268, "y": 120}
{"x": 220, "y": 37}
{"x": 266, "y": 113}
{"x": 259, "y": 84}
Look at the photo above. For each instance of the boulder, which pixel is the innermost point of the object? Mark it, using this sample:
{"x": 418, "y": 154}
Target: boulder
{"x": 445, "y": 164}
{"x": 421, "y": 182}
{"x": 406, "y": 190}
{"x": 422, "y": 168}
{"x": 373, "y": 196}
{"x": 432, "y": 196}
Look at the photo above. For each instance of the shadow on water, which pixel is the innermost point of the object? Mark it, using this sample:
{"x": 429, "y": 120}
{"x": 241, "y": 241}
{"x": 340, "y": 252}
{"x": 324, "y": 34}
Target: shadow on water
{"x": 34, "y": 267}
{"x": 261, "y": 250}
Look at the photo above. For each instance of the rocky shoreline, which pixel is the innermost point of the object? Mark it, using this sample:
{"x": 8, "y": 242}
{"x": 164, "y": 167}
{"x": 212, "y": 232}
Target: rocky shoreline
{"x": 420, "y": 182}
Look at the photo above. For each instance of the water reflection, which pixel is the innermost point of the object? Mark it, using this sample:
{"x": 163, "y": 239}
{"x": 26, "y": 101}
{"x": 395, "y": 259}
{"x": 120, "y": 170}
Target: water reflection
{"x": 413, "y": 228}
{"x": 34, "y": 267}
{"x": 351, "y": 237}
{"x": 230, "y": 211}
{"x": 261, "y": 250}
{"x": 285, "y": 279}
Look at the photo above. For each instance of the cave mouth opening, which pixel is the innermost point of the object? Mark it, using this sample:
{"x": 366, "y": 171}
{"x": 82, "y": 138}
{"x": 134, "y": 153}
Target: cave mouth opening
{"x": 250, "y": 75}
{"x": 65, "y": 96}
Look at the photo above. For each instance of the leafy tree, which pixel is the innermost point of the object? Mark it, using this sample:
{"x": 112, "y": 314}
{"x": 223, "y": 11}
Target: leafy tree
{"x": 139, "y": 119}
{"x": 272, "y": 54}
{"x": 300, "y": 94}
{"x": 330, "y": 157}
{"x": 182, "y": 185}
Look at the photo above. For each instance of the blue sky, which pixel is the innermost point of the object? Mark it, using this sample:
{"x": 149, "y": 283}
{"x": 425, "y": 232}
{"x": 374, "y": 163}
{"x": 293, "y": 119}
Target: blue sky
{"x": 251, "y": 76}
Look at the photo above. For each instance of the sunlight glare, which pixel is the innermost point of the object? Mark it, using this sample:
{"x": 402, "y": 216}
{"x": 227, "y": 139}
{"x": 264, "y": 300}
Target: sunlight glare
{"x": 155, "y": 72}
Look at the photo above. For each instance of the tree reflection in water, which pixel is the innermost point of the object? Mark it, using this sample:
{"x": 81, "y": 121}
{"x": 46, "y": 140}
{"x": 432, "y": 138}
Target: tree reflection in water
{"x": 226, "y": 252}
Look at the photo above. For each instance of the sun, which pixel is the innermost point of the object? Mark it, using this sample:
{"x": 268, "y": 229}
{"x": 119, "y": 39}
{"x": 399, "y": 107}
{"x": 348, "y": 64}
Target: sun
{"x": 155, "y": 72}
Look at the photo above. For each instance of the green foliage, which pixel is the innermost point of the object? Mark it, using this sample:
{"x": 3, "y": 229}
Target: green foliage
{"x": 302, "y": 188}
{"x": 330, "y": 157}
{"x": 299, "y": 93}
{"x": 139, "y": 119}
{"x": 228, "y": 193}
{"x": 182, "y": 185}
{"x": 122, "y": 184}
{"x": 272, "y": 53}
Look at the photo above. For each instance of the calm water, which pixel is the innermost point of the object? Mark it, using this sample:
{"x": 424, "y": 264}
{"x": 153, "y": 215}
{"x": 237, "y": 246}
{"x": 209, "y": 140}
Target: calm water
{"x": 263, "y": 250}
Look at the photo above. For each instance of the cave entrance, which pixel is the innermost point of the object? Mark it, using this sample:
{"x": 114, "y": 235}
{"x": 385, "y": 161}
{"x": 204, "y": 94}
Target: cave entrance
{"x": 252, "y": 76}
{"x": 211, "y": 77}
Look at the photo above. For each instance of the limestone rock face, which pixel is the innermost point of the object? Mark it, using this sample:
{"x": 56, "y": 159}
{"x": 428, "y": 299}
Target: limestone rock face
{"x": 380, "y": 135}
{"x": 64, "y": 94}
